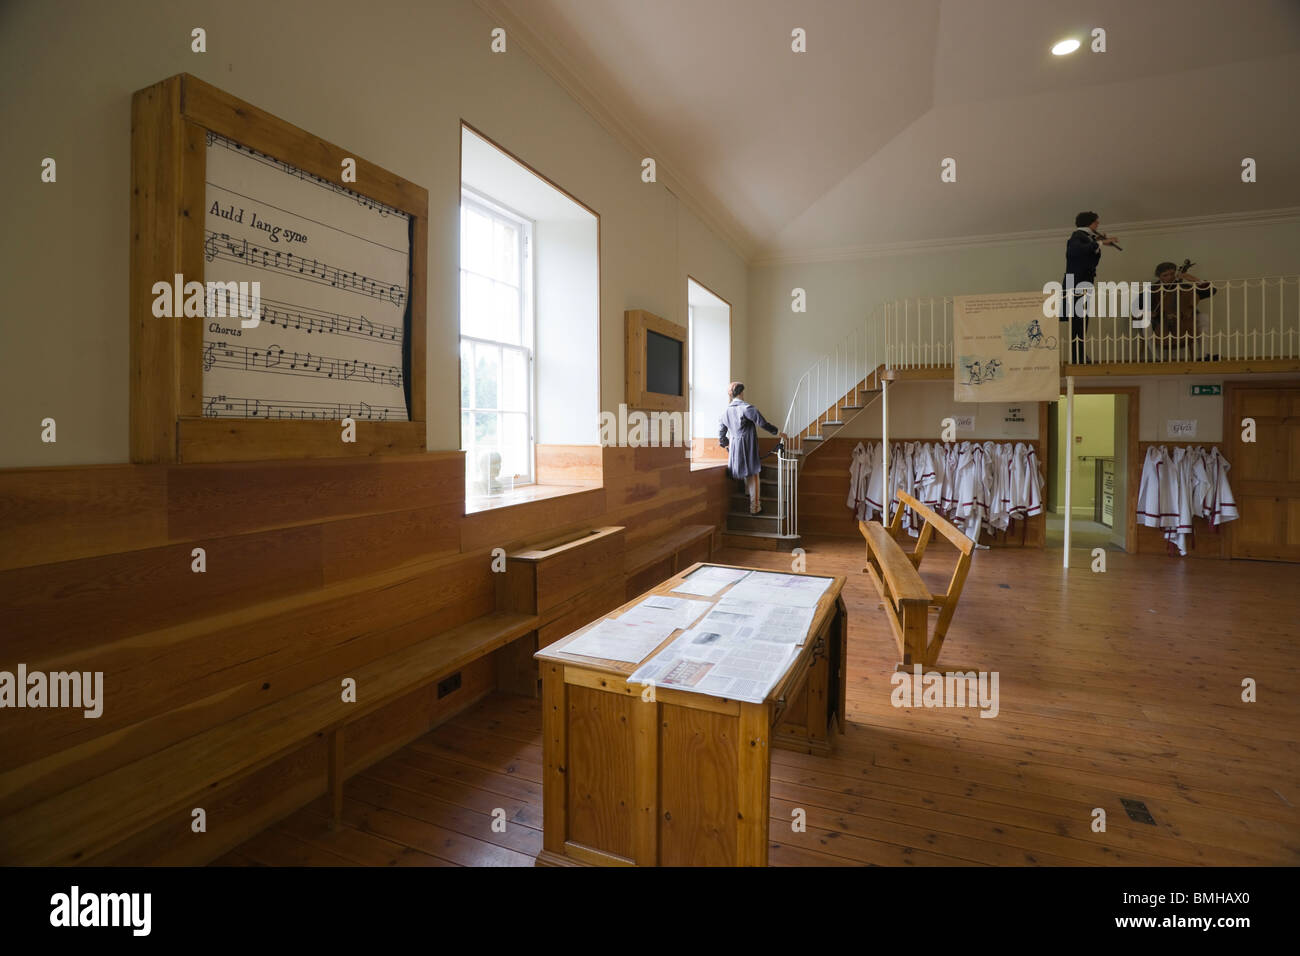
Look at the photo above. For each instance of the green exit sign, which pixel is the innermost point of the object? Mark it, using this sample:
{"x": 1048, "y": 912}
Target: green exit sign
{"x": 1207, "y": 390}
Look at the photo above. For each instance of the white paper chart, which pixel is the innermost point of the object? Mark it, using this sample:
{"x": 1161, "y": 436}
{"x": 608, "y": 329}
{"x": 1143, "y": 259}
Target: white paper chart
{"x": 334, "y": 270}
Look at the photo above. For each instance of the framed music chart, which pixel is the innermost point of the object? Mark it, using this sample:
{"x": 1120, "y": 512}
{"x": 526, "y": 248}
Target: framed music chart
{"x": 270, "y": 299}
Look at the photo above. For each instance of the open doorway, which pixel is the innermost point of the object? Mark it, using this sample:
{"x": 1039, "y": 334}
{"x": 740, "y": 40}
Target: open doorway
{"x": 1102, "y": 483}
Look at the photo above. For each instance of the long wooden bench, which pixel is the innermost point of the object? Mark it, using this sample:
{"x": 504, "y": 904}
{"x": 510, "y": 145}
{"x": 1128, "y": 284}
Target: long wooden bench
{"x": 657, "y": 561}
{"x": 109, "y": 808}
{"x": 905, "y": 597}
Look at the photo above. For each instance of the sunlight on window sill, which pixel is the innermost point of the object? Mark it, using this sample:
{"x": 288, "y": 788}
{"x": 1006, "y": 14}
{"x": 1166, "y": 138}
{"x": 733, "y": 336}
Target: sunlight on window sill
{"x": 521, "y": 495}
{"x": 704, "y": 463}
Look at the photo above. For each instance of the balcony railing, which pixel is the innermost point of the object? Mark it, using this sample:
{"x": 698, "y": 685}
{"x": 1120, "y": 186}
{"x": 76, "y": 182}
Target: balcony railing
{"x": 1244, "y": 320}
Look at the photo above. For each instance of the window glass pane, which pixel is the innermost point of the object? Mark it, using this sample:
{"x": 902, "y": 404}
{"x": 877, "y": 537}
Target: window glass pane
{"x": 514, "y": 446}
{"x": 514, "y": 381}
{"x": 477, "y": 307}
{"x": 484, "y": 462}
{"x": 476, "y": 241}
{"x": 505, "y": 264}
{"x": 505, "y": 302}
{"x": 466, "y": 373}
{"x": 471, "y": 456}
{"x": 487, "y": 376}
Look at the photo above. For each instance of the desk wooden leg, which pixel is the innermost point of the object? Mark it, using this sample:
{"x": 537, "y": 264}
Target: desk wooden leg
{"x": 645, "y": 731}
{"x": 555, "y": 748}
{"x": 335, "y": 777}
{"x": 753, "y": 781}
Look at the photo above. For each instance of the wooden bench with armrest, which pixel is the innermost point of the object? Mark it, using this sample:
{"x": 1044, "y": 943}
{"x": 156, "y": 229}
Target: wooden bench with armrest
{"x": 905, "y": 597}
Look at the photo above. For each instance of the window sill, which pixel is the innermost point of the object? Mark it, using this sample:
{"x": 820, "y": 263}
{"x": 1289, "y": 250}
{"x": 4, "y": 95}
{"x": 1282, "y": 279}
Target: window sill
{"x": 522, "y": 495}
{"x": 708, "y": 463}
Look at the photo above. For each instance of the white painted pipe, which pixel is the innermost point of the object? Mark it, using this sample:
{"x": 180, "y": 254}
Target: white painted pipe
{"x": 884, "y": 447}
{"x": 1069, "y": 461}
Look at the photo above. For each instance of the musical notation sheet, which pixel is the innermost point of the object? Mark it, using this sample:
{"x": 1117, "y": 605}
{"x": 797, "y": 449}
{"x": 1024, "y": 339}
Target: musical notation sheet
{"x": 334, "y": 274}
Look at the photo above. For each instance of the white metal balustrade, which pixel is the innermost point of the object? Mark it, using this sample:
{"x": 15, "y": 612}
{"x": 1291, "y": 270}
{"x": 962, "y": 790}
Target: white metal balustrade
{"x": 1254, "y": 319}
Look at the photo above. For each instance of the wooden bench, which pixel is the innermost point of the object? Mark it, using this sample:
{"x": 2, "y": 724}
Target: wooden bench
{"x": 104, "y": 810}
{"x": 906, "y": 599}
{"x": 657, "y": 561}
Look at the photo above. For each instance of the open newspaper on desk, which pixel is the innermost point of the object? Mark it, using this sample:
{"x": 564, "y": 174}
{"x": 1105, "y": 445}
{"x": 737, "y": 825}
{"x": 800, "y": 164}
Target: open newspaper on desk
{"x": 744, "y": 645}
{"x": 638, "y": 630}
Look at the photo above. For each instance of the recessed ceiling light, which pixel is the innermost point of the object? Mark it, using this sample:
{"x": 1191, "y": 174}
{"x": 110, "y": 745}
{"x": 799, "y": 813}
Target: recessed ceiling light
{"x": 1065, "y": 46}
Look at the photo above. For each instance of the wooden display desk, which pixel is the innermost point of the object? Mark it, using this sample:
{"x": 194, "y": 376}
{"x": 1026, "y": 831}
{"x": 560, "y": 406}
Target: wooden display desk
{"x": 663, "y": 777}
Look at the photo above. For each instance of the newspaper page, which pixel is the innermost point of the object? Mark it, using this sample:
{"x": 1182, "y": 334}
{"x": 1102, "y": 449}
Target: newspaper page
{"x": 708, "y": 662}
{"x": 664, "y": 609}
{"x": 709, "y": 580}
{"x": 773, "y": 623}
{"x": 791, "y": 590}
{"x": 620, "y": 640}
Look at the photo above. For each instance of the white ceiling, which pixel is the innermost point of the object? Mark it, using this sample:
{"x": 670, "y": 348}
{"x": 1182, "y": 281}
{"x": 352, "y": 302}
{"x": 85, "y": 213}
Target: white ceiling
{"x": 839, "y": 148}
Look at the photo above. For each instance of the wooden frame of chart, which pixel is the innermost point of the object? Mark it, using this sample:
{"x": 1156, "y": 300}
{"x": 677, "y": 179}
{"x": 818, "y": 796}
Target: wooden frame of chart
{"x": 335, "y": 311}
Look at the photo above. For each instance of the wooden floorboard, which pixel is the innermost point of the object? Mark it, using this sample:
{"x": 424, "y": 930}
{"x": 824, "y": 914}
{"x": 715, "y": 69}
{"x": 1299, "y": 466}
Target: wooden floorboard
{"x": 1122, "y": 684}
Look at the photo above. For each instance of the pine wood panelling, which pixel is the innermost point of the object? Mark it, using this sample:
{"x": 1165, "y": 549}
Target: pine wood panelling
{"x": 227, "y": 498}
{"x": 61, "y": 514}
{"x": 315, "y": 569}
{"x": 569, "y": 464}
{"x": 56, "y": 608}
{"x": 507, "y": 527}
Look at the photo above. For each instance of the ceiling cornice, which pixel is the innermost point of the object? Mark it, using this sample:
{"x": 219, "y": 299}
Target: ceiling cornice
{"x": 1149, "y": 227}
{"x": 696, "y": 199}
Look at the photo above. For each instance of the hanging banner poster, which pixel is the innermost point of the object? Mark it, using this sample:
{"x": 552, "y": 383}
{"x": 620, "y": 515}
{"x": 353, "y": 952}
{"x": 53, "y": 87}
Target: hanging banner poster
{"x": 1003, "y": 352}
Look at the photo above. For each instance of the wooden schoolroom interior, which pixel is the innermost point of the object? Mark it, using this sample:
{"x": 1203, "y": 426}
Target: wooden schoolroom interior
{"x": 690, "y": 433}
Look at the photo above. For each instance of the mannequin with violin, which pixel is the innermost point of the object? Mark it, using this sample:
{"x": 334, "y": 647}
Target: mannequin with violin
{"x": 1082, "y": 253}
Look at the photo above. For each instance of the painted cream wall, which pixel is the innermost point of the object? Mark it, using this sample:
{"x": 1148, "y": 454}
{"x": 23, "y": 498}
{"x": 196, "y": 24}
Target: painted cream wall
{"x": 841, "y": 294}
{"x": 391, "y": 80}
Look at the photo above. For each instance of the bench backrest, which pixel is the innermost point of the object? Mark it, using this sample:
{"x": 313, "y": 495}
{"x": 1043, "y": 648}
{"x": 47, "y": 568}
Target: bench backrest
{"x": 895, "y": 573}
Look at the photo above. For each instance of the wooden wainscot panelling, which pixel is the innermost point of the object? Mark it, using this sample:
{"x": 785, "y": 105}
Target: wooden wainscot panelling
{"x": 569, "y": 464}
{"x": 227, "y": 498}
{"x": 314, "y": 569}
{"x": 566, "y": 566}
{"x": 57, "y": 608}
{"x": 192, "y": 676}
{"x": 505, "y": 527}
{"x": 61, "y": 514}
{"x": 605, "y": 595}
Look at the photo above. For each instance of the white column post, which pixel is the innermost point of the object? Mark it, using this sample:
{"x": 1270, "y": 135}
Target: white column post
{"x": 1069, "y": 461}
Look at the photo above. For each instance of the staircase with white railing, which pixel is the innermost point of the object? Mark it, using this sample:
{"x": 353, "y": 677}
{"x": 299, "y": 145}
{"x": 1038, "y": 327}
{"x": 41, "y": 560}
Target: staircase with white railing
{"x": 1248, "y": 325}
